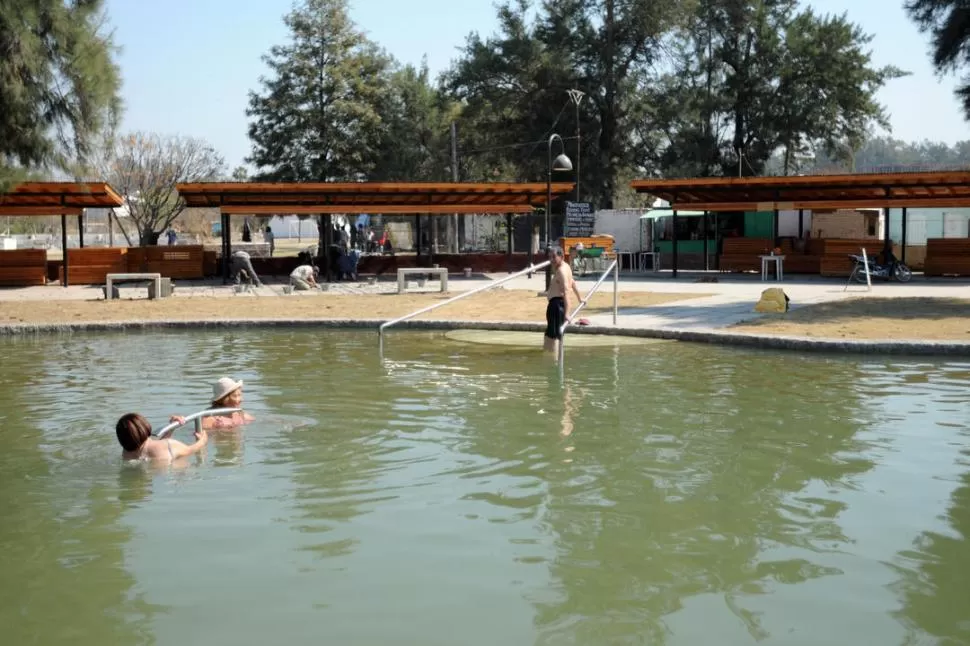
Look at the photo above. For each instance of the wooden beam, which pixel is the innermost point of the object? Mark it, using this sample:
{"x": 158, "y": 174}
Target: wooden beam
{"x": 866, "y": 203}
{"x": 12, "y": 210}
{"x": 386, "y": 209}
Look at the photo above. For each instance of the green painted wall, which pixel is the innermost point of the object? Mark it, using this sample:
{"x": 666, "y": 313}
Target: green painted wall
{"x": 758, "y": 224}
{"x": 685, "y": 246}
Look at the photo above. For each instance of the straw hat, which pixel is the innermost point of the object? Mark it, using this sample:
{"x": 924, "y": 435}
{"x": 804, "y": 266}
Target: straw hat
{"x": 224, "y": 387}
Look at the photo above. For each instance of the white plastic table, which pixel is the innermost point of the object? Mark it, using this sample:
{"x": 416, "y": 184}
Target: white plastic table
{"x": 632, "y": 260}
{"x": 779, "y": 267}
{"x": 654, "y": 260}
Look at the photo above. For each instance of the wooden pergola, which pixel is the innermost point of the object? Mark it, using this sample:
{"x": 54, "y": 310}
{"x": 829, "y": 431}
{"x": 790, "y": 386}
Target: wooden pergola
{"x": 937, "y": 189}
{"x": 387, "y": 198}
{"x": 59, "y": 198}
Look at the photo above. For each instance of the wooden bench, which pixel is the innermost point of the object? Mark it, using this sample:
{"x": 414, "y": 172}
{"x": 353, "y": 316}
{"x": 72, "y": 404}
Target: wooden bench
{"x": 743, "y": 254}
{"x": 947, "y": 257}
{"x": 90, "y": 265}
{"x": 404, "y": 272}
{"x": 23, "y": 267}
{"x": 592, "y": 242}
{"x": 836, "y": 251}
{"x": 179, "y": 261}
{"x": 154, "y": 287}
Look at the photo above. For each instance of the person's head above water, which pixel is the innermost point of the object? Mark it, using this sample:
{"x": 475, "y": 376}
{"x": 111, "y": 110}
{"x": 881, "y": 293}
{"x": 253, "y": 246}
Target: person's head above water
{"x": 554, "y": 253}
{"x": 133, "y": 431}
{"x": 227, "y": 393}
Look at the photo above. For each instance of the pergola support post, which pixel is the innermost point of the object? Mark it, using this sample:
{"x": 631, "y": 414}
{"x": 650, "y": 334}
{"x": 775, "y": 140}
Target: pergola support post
{"x": 226, "y": 247}
{"x": 673, "y": 224}
{"x": 508, "y": 246}
{"x": 326, "y": 235}
{"x": 64, "y": 262}
{"x": 80, "y": 230}
{"x": 707, "y": 261}
{"x": 417, "y": 241}
{"x": 902, "y": 243}
{"x": 887, "y": 243}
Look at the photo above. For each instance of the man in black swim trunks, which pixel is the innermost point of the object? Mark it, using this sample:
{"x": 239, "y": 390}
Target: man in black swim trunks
{"x": 556, "y": 311}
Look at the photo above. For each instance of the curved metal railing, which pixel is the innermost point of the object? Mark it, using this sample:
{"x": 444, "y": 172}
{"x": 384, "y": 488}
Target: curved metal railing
{"x": 528, "y": 270}
{"x": 197, "y": 418}
{"x": 615, "y": 268}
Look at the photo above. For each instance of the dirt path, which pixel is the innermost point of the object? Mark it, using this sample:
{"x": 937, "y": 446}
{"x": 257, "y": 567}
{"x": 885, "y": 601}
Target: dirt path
{"x": 930, "y": 319}
{"x": 498, "y": 305}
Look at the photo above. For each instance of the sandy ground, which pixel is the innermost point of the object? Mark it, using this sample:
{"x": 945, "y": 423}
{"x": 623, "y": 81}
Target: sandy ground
{"x": 936, "y": 319}
{"x": 499, "y": 305}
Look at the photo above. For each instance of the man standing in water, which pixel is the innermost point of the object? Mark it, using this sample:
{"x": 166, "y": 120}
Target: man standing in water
{"x": 557, "y": 309}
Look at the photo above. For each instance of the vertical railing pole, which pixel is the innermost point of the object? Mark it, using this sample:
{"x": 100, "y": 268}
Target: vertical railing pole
{"x": 616, "y": 290}
{"x": 865, "y": 258}
{"x": 562, "y": 348}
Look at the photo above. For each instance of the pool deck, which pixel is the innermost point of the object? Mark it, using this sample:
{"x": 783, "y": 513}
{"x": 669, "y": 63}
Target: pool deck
{"x": 721, "y": 304}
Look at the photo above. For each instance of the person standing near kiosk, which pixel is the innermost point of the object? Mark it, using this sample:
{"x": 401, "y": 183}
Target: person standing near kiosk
{"x": 557, "y": 309}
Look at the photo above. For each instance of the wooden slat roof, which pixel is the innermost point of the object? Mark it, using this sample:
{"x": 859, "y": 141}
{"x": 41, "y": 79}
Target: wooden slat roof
{"x": 258, "y": 198}
{"x": 55, "y": 198}
{"x": 882, "y": 190}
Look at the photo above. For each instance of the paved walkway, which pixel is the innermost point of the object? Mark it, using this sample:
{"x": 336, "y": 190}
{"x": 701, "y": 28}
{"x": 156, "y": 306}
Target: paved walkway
{"x": 721, "y": 304}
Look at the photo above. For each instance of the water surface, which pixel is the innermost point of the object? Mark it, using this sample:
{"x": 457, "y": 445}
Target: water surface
{"x": 454, "y": 493}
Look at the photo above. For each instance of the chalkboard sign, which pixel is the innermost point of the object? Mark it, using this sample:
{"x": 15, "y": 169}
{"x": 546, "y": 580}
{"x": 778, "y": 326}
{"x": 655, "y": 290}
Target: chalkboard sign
{"x": 580, "y": 219}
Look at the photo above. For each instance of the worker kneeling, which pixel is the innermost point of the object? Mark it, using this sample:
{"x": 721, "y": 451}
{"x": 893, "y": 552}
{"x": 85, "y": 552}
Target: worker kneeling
{"x": 774, "y": 300}
{"x": 304, "y": 277}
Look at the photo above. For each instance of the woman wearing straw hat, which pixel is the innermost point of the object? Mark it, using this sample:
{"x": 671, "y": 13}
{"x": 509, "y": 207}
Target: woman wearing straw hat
{"x": 227, "y": 393}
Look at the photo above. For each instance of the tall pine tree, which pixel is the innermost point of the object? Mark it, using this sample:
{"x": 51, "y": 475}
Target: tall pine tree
{"x": 318, "y": 115}
{"x": 948, "y": 22}
{"x": 59, "y": 85}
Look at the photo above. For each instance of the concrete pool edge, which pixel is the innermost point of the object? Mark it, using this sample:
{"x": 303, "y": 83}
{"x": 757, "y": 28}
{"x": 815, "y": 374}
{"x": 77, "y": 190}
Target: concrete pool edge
{"x": 772, "y": 342}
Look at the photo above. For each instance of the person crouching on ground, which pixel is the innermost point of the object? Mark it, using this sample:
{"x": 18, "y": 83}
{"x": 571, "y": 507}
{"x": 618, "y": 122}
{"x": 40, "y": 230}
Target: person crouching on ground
{"x": 304, "y": 277}
{"x": 227, "y": 393}
{"x": 241, "y": 266}
{"x": 135, "y": 435}
{"x": 558, "y": 294}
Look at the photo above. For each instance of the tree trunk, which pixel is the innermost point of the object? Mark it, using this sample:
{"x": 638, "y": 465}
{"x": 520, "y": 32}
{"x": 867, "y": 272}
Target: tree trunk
{"x": 149, "y": 238}
{"x": 608, "y": 125}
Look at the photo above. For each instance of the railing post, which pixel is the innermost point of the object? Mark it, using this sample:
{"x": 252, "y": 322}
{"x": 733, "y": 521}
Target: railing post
{"x": 865, "y": 258}
{"x": 528, "y": 270}
{"x": 616, "y": 290}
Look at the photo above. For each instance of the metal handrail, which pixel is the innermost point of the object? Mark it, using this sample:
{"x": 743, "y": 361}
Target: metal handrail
{"x": 195, "y": 417}
{"x": 615, "y": 268}
{"x": 531, "y": 269}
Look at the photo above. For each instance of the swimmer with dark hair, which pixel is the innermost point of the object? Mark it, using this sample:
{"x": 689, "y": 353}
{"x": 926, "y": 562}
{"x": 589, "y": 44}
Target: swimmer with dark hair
{"x": 135, "y": 436}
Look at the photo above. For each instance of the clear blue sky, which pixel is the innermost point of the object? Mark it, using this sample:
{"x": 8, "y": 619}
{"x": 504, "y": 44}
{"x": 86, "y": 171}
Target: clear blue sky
{"x": 189, "y": 64}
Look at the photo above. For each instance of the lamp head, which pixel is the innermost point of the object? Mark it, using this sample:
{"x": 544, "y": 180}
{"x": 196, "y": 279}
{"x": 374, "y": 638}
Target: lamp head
{"x": 562, "y": 163}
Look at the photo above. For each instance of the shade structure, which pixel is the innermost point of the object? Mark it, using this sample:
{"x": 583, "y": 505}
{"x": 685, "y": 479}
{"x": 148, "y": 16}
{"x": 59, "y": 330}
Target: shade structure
{"x": 847, "y": 191}
{"x": 59, "y": 198}
{"x": 414, "y": 198}
{"x": 904, "y": 190}
{"x": 389, "y": 198}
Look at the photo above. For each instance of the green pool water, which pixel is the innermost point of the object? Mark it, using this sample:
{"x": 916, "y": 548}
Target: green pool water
{"x": 459, "y": 493}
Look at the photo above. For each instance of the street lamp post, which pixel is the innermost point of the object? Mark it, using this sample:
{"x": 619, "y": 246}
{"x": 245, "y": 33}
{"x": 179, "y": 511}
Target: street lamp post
{"x": 560, "y": 164}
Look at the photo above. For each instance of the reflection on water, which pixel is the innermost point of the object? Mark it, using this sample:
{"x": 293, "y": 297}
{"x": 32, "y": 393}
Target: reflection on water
{"x": 664, "y": 494}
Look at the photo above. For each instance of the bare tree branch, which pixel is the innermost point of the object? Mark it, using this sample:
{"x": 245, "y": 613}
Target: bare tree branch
{"x": 145, "y": 167}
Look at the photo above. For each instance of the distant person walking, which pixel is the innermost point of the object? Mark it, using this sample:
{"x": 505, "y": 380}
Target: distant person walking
{"x": 269, "y": 237}
{"x": 172, "y": 236}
